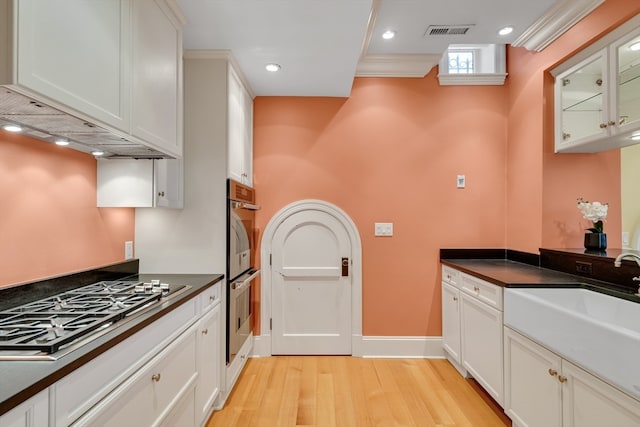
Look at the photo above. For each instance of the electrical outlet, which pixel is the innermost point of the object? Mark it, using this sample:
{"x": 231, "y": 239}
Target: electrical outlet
{"x": 128, "y": 249}
{"x": 383, "y": 229}
{"x": 583, "y": 267}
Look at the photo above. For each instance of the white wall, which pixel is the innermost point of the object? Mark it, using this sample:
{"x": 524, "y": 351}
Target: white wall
{"x": 192, "y": 240}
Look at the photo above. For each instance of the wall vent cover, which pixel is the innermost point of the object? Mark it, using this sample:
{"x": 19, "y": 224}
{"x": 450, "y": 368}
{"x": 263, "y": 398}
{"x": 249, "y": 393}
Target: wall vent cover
{"x": 447, "y": 30}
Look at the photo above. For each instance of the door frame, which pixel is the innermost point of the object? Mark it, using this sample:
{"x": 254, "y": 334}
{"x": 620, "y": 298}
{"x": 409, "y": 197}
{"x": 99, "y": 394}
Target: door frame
{"x": 356, "y": 270}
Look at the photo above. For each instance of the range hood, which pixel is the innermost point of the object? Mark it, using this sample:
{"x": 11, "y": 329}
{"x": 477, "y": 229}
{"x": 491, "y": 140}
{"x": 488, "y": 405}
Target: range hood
{"x": 49, "y": 124}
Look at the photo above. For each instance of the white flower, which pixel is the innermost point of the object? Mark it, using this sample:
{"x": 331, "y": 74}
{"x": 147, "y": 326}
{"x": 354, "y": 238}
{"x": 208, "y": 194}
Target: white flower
{"x": 595, "y": 212}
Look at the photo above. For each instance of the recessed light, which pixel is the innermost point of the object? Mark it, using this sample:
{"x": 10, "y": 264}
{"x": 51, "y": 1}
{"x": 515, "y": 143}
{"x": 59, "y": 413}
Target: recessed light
{"x": 12, "y": 128}
{"x": 635, "y": 137}
{"x": 97, "y": 153}
{"x": 62, "y": 142}
{"x": 387, "y": 35}
{"x": 273, "y": 67}
{"x": 635, "y": 46}
{"x": 506, "y": 30}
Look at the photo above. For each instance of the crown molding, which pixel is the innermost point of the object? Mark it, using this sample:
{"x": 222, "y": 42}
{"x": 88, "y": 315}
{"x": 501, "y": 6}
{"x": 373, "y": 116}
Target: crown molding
{"x": 492, "y": 79}
{"x": 562, "y": 16}
{"x": 396, "y": 65}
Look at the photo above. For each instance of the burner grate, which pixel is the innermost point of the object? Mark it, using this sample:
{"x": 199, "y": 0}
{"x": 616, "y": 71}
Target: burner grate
{"x": 51, "y": 323}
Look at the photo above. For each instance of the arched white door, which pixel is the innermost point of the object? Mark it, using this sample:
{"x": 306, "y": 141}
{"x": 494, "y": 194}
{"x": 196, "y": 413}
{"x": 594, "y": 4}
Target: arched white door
{"x": 311, "y": 289}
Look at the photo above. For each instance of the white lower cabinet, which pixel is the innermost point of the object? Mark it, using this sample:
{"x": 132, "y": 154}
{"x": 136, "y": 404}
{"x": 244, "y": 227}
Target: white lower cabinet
{"x": 150, "y": 396}
{"x": 33, "y": 412}
{"x": 542, "y": 389}
{"x": 209, "y": 358}
{"x": 472, "y": 329}
{"x": 482, "y": 353}
{"x": 451, "y": 322}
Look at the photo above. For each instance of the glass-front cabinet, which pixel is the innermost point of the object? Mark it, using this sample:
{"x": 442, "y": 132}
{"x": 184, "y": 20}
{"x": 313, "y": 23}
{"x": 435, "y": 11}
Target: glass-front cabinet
{"x": 597, "y": 100}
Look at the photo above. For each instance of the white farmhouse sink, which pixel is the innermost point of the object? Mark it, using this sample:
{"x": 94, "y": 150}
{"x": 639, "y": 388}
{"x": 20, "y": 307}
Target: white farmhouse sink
{"x": 597, "y": 331}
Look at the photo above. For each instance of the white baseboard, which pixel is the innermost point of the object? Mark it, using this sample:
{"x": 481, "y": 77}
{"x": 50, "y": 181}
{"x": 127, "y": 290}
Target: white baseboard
{"x": 402, "y": 347}
{"x": 372, "y": 346}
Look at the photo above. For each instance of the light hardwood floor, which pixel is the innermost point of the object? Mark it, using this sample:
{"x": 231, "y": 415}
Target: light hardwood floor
{"x": 283, "y": 391}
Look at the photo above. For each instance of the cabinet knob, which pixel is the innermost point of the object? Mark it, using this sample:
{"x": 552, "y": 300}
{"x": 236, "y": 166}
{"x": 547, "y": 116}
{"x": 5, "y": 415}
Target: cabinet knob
{"x": 611, "y": 123}
{"x": 212, "y": 297}
{"x": 562, "y": 379}
{"x": 553, "y": 372}
{"x": 155, "y": 378}
{"x": 161, "y": 193}
{"x": 205, "y": 331}
{"x": 455, "y": 298}
{"x": 477, "y": 289}
{"x": 603, "y": 125}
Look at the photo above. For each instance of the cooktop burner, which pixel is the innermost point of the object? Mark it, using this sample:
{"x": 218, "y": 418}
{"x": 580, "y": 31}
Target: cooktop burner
{"x": 49, "y": 324}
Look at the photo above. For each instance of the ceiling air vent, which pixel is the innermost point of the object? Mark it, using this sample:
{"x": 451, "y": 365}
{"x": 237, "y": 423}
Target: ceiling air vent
{"x": 447, "y": 30}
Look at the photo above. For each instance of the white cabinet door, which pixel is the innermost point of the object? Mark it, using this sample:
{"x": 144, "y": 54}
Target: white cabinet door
{"x": 152, "y": 394}
{"x": 209, "y": 362}
{"x": 590, "y": 402}
{"x": 451, "y": 321}
{"x": 169, "y": 183}
{"x": 157, "y": 76}
{"x": 34, "y": 412}
{"x": 240, "y": 131}
{"x": 597, "y": 106}
{"x": 142, "y": 183}
{"x": 532, "y": 392}
{"x": 482, "y": 353}
{"x": 63, "y": 56}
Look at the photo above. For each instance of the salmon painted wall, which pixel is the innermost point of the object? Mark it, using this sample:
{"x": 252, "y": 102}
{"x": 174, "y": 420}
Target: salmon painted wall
{"x": 391, "y": 153}
{"x": 543, "y": 186}
{"x": 49, "y": 222}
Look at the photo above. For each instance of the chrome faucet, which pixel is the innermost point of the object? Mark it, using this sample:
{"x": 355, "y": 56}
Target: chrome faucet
{"x": 618, "y": 263}
{"x": 619, "y": 258}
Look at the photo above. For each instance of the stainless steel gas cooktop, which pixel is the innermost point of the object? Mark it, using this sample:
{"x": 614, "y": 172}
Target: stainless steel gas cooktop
{"x": 49, "y": 328}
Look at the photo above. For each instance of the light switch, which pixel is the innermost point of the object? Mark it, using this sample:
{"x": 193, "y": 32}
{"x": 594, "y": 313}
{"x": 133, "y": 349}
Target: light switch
{"x": 383, "y": 229}
{"x": 461, "y": 181}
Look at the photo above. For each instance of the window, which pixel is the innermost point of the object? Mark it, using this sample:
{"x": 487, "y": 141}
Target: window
{"x": 461, "y": 62}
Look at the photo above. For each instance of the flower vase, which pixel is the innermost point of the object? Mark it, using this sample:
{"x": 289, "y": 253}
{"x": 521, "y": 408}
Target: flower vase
{"x": 595, "y": 241}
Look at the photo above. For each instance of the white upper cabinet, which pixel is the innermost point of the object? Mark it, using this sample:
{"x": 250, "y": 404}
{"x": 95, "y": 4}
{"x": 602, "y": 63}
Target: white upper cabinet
{"x": 142, "y": 183}
{"x": 114, "y": 63}
{"x": 157, "y": 76}
{"x": 240, "y": 131}
{"x": 75, "y": 53}
{"x": 597, "y": 99}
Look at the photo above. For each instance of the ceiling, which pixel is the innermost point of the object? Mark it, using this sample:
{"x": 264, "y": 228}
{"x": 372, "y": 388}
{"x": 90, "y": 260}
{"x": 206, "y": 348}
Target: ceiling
{"x": 321, "y": 45}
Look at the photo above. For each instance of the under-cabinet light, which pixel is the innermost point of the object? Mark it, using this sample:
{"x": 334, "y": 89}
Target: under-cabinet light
{"x": 12, "y": 128}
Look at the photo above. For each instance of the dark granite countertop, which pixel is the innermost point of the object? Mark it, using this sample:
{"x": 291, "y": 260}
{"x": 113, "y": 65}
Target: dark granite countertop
{"x": 516, "y": 269}
{"x": 504, "y": 272}
{"x": 23, "y": 379}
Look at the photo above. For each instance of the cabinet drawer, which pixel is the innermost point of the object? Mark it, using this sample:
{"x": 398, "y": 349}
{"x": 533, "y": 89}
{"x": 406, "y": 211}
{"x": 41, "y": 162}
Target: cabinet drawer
{"x": 151, "y": 394}
{"x": 210, "y": 297}
{"x": 450, "y": 275}
{"x": 87, "y": 385}
{"x": 484, "y": 291}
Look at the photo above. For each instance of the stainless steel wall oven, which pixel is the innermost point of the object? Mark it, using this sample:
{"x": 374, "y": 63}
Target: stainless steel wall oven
{"x": 241, "y": 271}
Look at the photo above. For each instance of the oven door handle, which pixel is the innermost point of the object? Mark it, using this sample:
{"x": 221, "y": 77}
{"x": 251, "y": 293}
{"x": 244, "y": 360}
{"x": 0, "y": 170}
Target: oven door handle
{"x": 239, "y": 284}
